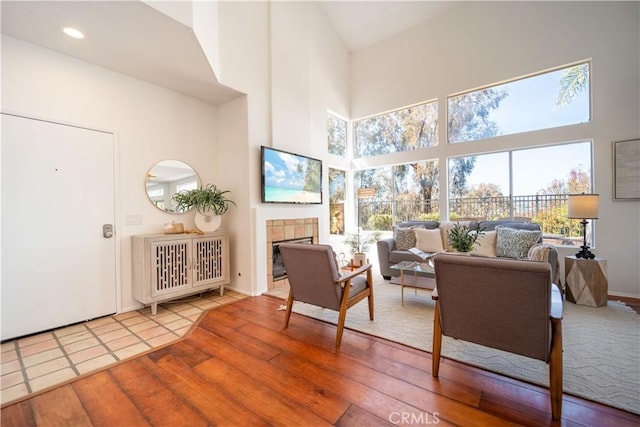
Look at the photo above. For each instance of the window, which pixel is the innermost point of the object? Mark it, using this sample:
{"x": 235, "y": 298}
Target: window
{"x": 552, "y": 99}
{"x": 337, "y": 135}
{"x": 187, "y": 186}
{"x": 402, "y": 192}
{"x": 337, "y": 191}
{"x": 402, "y": 130}
{"x": 527, "y": 184}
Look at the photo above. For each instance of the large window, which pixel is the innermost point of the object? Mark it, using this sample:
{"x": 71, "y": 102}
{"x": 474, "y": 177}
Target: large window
{"x": 522, "y": 183}
{"x": 402, "y": 130}
{"x": 337, "y": 135}
{"x": 543, "y": 101}
{"x": 528, "y": 184}
{"x": 400, "y": 193}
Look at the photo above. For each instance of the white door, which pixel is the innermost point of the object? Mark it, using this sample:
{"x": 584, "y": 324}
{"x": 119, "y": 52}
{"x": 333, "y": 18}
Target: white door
{"x": 57, "y": 192}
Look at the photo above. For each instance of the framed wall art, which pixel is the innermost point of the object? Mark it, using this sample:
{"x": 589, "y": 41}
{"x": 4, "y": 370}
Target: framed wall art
{"x": 626, "y": 169}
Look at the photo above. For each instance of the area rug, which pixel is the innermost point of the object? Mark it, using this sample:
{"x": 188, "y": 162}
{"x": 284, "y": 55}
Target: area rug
{"x": 601, "y": 345}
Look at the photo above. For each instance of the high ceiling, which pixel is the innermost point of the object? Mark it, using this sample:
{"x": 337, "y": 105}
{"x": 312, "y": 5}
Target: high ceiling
{"x": 364, "y": 23}
{"x": 133, "y": 38}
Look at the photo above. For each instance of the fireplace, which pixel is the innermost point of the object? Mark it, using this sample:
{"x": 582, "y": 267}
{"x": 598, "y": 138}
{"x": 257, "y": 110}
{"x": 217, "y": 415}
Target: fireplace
{"x": 286, "y": 230}
{"x": 278, "y": 270}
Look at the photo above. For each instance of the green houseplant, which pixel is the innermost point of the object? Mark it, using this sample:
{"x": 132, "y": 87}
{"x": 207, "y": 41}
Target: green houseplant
{"x": 359, "y": 244}
{"x": 210, "y": 203}
{"x": 462, "y": 238}
{"x": 208, "y": 200}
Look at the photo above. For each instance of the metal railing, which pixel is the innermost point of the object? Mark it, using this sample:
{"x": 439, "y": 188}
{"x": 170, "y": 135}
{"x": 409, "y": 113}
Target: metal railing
{"x": 548, "y": 210}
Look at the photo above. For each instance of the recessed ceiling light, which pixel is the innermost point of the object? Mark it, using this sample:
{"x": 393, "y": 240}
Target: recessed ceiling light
{"x": 72, "y": 32}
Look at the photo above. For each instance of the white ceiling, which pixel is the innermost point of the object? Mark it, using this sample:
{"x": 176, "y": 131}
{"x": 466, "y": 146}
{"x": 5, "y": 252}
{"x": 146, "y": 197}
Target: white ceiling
{"x": 361, "y": 24}
{"x": 133, "y": 38}
{"x": 129, "y": 37}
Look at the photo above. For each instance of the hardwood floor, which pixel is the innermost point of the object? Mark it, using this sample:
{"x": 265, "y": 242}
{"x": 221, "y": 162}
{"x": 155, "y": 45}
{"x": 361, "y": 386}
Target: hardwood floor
{"x": 239, "y": 367}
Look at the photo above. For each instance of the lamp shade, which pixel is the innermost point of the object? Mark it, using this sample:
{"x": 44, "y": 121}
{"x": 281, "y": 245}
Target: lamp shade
{"x": 583, "y": 206}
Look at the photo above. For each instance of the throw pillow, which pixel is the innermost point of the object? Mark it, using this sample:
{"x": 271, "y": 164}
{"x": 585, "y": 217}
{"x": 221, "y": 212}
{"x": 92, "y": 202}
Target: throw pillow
{"x": 512, "y": 243}
{"x": 429, "y": 240}
{"x": 486, "y": 244}
{"x": 405, "y": 238}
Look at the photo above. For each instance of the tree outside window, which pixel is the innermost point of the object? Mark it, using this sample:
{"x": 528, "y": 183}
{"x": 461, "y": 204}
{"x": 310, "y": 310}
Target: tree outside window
{"x": 337, "y": 190}
{"x": 403, "y": 192}
{"x": 337, "y": 135}
{"x": 536, "y": 190}
{"x": 402, "y": 130}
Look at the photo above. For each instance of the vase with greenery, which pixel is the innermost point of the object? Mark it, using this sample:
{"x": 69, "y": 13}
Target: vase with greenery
{"x": 208, "y": 200}
{"x": 462, "y": 237}
{"x": 359, "y": 244}
{"x": 210, "y": 204}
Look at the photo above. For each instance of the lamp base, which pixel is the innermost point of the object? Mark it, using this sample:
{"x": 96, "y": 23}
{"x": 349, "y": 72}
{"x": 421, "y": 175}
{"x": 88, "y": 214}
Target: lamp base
{"x": 585, "y": 253}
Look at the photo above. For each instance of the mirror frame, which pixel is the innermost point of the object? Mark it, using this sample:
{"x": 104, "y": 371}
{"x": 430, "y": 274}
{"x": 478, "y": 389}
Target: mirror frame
{"x": 168, "y": 176}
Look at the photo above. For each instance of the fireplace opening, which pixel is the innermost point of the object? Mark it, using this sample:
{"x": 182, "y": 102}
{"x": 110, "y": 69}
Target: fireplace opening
{"x": 279, "y": 272}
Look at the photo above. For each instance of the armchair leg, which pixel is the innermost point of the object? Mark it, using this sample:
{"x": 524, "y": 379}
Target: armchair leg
{"x": 555, "y": 369}
{"x": 437, "y": 341}
{"x": 287, "y": 315}
{"x": 370, "y": 297}
{"x": 342, "y": 316}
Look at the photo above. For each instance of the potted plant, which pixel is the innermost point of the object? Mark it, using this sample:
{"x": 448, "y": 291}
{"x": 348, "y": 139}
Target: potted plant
{"x": 210, "y": 204}
{"x": 359, "y": 244}
{"x": 462, "y": 238}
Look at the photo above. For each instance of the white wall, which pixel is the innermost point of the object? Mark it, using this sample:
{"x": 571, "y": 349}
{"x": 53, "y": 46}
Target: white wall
{"x": 480, "y": 43}
{"x": 150, "y": 124}
{"x": 292, "y": 66}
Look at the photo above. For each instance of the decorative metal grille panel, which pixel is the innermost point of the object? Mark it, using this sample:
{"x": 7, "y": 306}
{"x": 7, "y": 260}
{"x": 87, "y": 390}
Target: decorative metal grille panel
{"x": 208, "y": 260}
{"x": 171, "y": 266}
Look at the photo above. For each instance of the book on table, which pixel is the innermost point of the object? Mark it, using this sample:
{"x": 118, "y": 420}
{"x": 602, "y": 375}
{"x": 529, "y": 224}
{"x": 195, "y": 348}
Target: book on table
{"x": 424, "y": 255}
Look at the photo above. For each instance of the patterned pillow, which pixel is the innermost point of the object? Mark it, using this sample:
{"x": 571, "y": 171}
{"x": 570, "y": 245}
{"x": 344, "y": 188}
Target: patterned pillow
{"x": 512, "y": 243}
{"x": 405, "y": 238}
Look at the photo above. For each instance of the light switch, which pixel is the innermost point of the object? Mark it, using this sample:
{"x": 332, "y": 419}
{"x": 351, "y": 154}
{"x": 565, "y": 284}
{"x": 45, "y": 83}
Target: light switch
{"x": 133, "y": 219}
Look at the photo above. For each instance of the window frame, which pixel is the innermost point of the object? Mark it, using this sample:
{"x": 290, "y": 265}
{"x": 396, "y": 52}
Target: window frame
{"x": 587, "y": 61}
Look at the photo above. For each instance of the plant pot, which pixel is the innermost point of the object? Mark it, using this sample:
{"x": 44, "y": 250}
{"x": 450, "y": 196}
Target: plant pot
{"x": 207, "y": 223}
{"x": 359, "y": 259}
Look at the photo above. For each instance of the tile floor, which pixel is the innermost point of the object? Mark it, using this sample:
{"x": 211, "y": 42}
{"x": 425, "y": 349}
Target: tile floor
{"x": 39, "y": 361}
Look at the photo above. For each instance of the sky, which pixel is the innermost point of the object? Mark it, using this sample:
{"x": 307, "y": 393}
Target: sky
{"x": 531, "y": 105}
{"x": 533, "y": 169}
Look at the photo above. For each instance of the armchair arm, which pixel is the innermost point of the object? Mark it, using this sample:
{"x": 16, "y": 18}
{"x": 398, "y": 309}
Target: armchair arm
{"x": 385, "y": 246}
{"x": 354, "y": 273}
{"x": 556, "y": 302}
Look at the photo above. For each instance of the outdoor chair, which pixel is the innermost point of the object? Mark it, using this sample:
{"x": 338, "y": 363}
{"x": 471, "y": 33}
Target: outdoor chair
{"x": 505, "y": 304}
{"x": 314, "y": 278}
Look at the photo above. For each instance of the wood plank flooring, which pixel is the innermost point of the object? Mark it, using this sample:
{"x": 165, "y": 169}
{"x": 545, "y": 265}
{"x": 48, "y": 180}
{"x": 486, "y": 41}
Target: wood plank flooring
{"x": 239, "y": 367}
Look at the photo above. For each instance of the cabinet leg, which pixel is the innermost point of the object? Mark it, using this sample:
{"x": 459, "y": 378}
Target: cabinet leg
{"x": 154, "y": 308}
{"x": 221, "y": 290}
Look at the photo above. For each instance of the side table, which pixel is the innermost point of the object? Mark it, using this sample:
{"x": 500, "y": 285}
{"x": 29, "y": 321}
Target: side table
{"x": 586, "y": 280}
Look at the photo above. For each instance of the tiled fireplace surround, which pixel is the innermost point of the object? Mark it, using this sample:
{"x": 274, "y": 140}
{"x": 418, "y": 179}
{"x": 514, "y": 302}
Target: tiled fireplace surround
{"x": 287, "y": 229}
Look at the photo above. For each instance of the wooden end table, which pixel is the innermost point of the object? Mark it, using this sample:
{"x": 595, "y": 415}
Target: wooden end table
{"x": 414, "y": 281}
{"x": 587, "y": 281}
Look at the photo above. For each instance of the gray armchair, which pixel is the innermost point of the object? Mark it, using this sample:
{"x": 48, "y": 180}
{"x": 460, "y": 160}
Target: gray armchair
{"x": 314, "y": 278}
{"x": 505, "y": 304}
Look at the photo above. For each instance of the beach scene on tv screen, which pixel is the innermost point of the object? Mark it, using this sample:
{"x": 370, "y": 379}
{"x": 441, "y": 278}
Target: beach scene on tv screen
{"x": 291, "y": 179}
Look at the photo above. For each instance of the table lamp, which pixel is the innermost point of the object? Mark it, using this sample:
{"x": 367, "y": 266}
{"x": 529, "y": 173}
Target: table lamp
{"x": 583, "y": 206}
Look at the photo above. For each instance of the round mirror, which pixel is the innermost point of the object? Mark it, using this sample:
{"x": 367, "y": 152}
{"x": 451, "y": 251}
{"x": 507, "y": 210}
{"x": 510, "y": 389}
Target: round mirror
{"x": 165, "y": 179}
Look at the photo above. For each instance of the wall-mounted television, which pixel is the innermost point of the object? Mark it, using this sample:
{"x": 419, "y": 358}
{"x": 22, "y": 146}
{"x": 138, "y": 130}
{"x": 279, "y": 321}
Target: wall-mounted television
{"x": 290, "y": 178}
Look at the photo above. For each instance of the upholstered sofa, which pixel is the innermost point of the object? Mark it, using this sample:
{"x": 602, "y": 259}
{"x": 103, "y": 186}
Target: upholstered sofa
{"x": 501, "y": 239}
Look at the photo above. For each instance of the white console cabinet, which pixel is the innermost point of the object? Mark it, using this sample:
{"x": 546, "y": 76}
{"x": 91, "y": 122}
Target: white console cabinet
{"x": 169, "y": 266}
